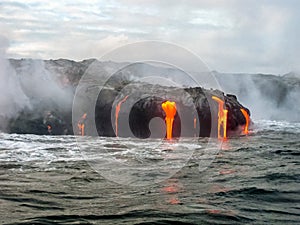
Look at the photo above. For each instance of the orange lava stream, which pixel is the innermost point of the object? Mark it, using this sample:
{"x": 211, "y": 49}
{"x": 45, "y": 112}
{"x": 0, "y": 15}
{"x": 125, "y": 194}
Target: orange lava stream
{"x": 118, "y": 108}
{"x": 246, "y": 115}
{"x": 222, "y": 117}
{"x": 49, "y": 129}
{"x": 225, "y": 113}
{"x": 195, "y": 126}
{"x": 81, "y": 124}
{"x": 170, "y": 110}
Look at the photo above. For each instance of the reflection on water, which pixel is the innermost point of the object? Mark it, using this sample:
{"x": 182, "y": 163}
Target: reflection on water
{"x": 252, "y": 180}
{"x": 170, "y": 191}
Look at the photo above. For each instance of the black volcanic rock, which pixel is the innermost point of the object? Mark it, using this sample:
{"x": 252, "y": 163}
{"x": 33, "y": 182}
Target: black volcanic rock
{"x": 54, "y": 110}
{"x": 146, "y": 108}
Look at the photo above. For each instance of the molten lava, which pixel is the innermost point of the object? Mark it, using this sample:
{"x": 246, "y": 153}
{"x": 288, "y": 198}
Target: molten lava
{"x": 81, "y": 125}
{"x": 195, "y": 125}
{"x": 225, "y": 114}
{"x": 222, "y": 117}
{"x": 49, "y": 129}
{"x": 247, "y": 118}
{"x": 118, "y": 108}
{"x": 170, "y": 110}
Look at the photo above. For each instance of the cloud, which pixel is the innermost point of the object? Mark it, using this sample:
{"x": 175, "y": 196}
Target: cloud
{"x": 232, "y": 36}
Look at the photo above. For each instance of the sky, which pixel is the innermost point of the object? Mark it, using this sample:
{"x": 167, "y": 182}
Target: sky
{"x": 229, "y": 36}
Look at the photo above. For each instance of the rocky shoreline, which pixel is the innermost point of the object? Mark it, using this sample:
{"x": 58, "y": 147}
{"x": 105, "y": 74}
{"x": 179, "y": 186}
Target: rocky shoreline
{"x": 197, "y": 112}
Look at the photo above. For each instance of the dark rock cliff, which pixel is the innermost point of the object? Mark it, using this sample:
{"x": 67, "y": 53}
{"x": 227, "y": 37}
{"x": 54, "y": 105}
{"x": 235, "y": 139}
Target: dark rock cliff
{"x": 48, "y": 115}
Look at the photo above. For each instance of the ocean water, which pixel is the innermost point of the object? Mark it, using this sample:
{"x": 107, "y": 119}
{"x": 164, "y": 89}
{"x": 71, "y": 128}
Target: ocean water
{"x": 252, "y": 179}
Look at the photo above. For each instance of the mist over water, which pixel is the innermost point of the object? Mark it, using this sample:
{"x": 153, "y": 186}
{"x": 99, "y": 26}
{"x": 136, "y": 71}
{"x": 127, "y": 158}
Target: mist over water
{"x": 267, "y": 96}
{"x": 28, "y": 85}
{"x": 12, "y": 97}
{"x": 44, "y": 86}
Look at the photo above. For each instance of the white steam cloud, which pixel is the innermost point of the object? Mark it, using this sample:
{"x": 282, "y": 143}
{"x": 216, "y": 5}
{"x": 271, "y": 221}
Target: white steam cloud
{"x": 27, "y": 86}
{"x": 12, "y": 97}
{"x": 268, "y": 97}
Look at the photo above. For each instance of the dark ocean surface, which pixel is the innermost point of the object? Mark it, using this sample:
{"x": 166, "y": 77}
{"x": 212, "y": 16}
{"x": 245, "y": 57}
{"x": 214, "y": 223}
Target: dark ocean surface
{"x": 253, "y": 179}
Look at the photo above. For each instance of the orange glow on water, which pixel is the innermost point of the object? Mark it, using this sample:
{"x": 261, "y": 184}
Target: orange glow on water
{"x": 170, "y": 110}
{"x": 246, "y": 115}
{"x": 222, "y": 117}
{"x": 118, "y": 108}
{"x": 174, "y": 201}
{"x": 171, "y": 192}
{"x": 81, "y": 125}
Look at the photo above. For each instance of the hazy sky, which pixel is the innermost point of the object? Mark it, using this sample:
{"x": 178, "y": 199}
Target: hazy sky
{"x": 229, "y": 36}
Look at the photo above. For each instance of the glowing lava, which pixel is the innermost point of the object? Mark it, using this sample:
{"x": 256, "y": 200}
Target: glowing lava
{"x": 170, "y": 110}
{"x": 222, "y": 117}
{"x": 49, "y": 129}
{"x": 195, "y": 125}
{"x": 118, "y": 108}
{"x": 81, "y": 124}
{"x": 247, "y": 118}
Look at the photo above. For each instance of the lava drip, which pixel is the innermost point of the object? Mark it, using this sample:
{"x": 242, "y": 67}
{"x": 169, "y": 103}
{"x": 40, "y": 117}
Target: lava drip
{"x": 49, "y": 129}
{"x": 195, "y": 126}
{"x": 81, "y": 125}
{"x": 118, "y": 108}
{"x": 247, "y": 118}
{"x": 222, "y": 117}
{"x": 170, "y": 110}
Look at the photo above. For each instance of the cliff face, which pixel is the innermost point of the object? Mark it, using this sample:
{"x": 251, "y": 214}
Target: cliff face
{"x": 197, "y": 113}
{"x": 52, "y": 93}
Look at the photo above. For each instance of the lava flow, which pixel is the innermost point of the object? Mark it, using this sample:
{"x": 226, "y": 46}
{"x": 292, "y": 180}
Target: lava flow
{"x": 222, "y": 117}
{"x": 195, "y": 125}
{"x": 118, "y": 108}
{"x": 170, "y": 110}
{"x": 49, "y": 129}
{"x": 81, "y": 125}
{"x": 246, "y": 115}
